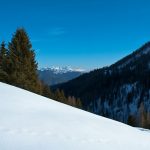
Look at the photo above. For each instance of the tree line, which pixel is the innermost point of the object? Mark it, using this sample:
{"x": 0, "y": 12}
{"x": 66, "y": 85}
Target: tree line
{"x": 18, "y": 67}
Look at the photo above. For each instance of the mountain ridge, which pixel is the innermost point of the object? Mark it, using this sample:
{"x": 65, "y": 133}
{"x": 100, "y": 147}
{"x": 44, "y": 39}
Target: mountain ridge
{"x": 62, "y": 70}
{"x": 54, "y": 75}
{"x": 106, "y": 91}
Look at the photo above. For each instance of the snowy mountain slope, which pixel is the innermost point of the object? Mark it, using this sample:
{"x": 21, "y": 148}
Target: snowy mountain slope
{"x": 32, "y": 122}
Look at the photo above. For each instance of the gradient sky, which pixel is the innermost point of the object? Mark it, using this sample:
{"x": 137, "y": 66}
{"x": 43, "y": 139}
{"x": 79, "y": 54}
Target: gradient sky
{"x": 79, "y": 33}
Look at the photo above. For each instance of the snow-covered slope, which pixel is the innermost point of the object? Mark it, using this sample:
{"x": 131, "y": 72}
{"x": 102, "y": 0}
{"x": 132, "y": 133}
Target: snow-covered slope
{"x": 31, "y": 122}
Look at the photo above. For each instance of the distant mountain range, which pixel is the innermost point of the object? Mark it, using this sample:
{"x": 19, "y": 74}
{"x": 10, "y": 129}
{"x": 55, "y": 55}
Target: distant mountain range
{"x": 120, "y": 91}
{"x": 56, "y": 75}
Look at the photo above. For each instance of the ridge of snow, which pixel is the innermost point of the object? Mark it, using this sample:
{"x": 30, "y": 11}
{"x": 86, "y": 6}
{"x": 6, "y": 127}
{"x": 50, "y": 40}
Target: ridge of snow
{"x": 32, "y": 122}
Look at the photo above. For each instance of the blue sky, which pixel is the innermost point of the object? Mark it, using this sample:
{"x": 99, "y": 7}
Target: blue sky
{"x": 80, "y": 33}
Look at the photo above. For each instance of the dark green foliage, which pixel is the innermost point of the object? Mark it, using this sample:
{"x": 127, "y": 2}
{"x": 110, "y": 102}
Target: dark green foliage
{"x": 60, "y": 96}
{"x": 46, "y": 91}
{"x": 23, "y": 67}
{"x": 3, "y": 63}
{"x": 144, "y": 118}
{"x": 132, "y": 121}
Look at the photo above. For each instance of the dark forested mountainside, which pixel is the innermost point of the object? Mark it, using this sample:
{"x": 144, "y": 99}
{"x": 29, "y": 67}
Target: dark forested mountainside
{"x": 120, "y": 91}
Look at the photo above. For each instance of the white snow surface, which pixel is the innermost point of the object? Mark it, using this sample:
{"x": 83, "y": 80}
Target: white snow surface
{"x": 32, "y": 122}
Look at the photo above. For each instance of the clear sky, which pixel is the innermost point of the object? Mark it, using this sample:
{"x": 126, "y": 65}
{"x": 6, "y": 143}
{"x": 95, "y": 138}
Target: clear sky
{"x": 79, "y": 33}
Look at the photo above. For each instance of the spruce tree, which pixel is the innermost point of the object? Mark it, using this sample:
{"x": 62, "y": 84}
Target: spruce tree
{"x": 23, "y": 67}
{"x": 46, "y": 91}
{"x": 3, "y": 63}
{"x": 142, "y": 115}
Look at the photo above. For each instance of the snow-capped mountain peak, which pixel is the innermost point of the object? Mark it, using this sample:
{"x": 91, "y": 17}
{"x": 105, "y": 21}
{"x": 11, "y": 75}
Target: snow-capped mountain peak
{"x": 56, "y": 75}
{"x": 61, "y": 70}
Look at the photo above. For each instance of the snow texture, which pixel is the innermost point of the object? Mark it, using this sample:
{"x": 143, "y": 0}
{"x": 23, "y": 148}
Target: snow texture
{"x": 32, "y": 122}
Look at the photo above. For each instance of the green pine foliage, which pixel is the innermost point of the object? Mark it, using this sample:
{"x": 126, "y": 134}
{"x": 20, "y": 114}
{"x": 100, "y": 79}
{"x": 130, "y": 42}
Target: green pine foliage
{"x": 132, "y": 120}
{"x": 144, "y": 117}
{"x": 59, "y": 95}
{"x": 23, "y": 67}
{"x": 46, "y": 91}
{"x": 3, "y": 63}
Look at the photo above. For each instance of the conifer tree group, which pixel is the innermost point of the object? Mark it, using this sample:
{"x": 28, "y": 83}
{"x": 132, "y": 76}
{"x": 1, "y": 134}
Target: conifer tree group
{"x": 17, "y": 63}
{"x": 19, "y": 68}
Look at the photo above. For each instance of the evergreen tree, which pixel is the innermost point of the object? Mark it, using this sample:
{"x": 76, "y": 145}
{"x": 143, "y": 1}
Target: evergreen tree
{"x": 142, "y": 116}
{"x": 46, "y": 91}
{"x": 132, "y": 120}
{"x": 3, "y": 63}
{"x": 148, "y": 120}
{"x": 23, "y": 67}
{"x": 79, "y": 103}
{"x": 60, "y": 96}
